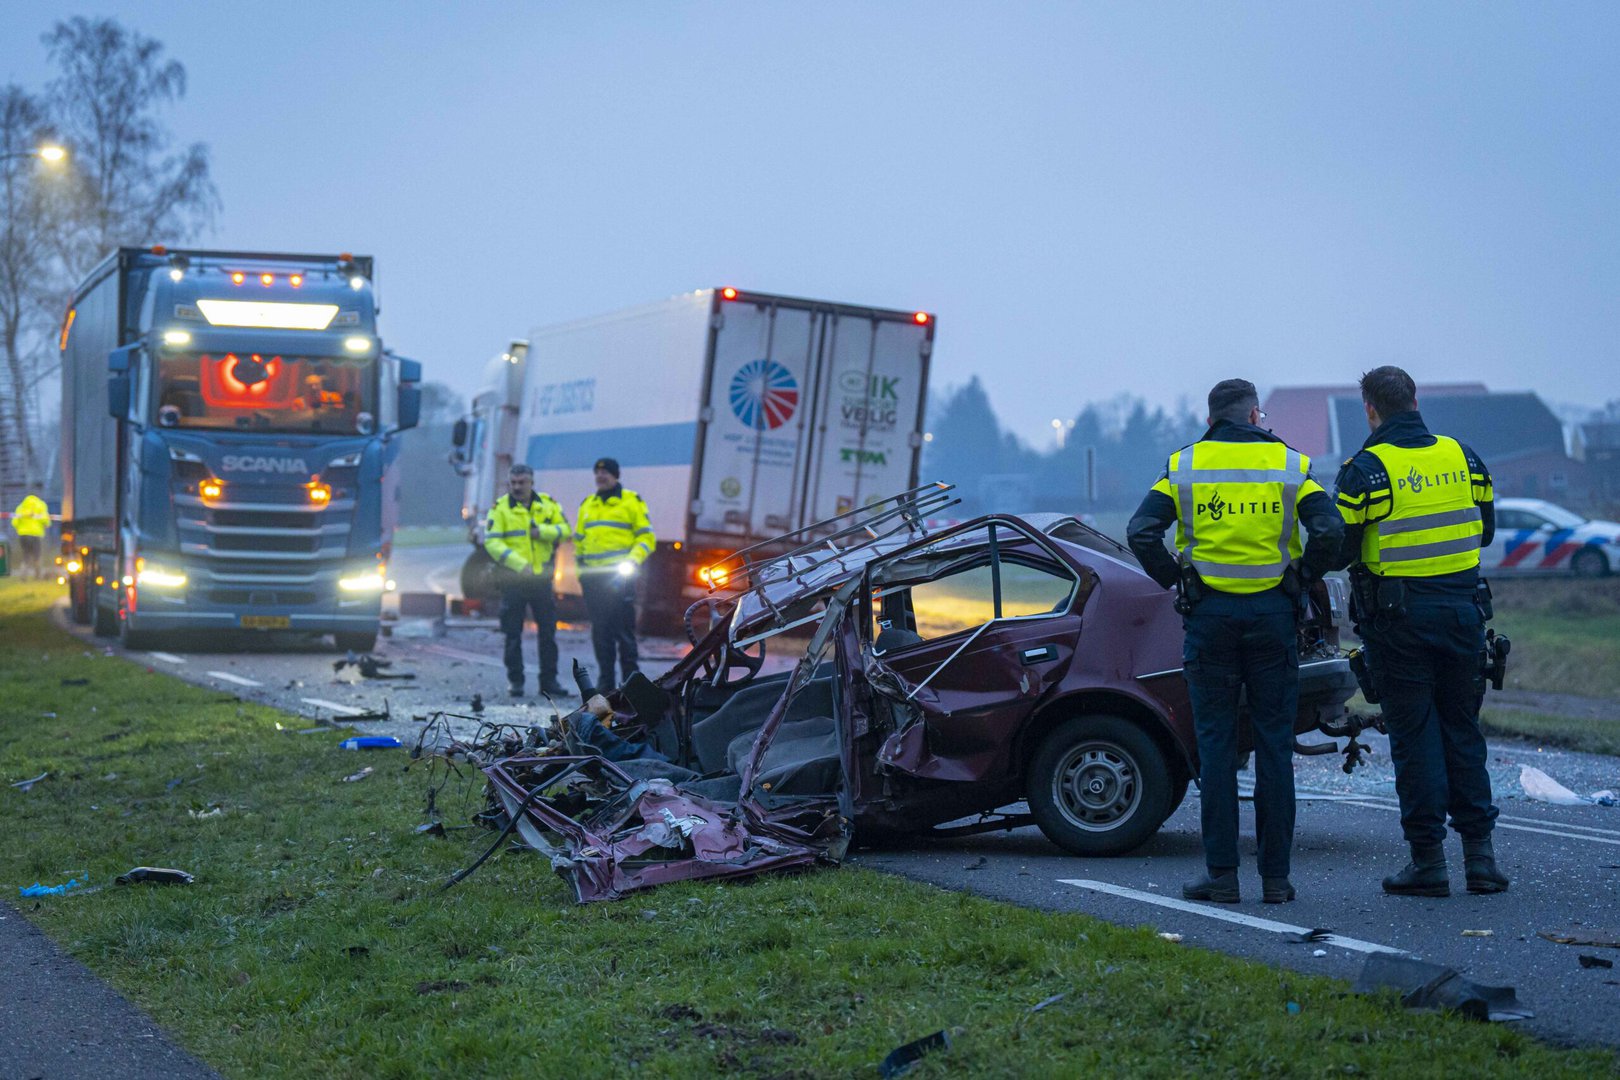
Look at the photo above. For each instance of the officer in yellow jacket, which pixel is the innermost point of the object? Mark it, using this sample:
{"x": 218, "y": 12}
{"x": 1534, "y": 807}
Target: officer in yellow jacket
{"x": 1417, "y": 508}
{"x": 1237, "y": 498}
{"x": 612, "y": 540}
{"x": 30, "y": 521}
{"x": 521, "y": 534}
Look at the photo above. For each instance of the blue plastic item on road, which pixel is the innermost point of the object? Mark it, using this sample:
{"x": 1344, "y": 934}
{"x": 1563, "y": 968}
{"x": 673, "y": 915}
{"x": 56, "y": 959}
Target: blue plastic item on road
{"x": 36, "y": 889}
{"x": 370, "y": 742}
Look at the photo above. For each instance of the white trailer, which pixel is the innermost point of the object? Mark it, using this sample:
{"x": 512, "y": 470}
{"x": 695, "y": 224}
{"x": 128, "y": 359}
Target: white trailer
{"x": 736, "y": 415}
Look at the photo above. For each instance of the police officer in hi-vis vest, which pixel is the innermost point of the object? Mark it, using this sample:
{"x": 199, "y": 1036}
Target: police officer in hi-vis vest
{"x": 1417, "y": 509}
{"x": 522, "y": 533}
{"x": 1237, "y": 497}
{"x": 613, "y": 538}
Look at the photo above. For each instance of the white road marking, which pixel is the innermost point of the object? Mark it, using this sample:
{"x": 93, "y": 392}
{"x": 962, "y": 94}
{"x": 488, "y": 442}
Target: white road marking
{"x": 344, "y": 710}
{"x": 167, "y": 658}
{"x": 1353, "y": 944}
{"x": 1608, "y": 836}
{"x": 237, "y": 679}
{"x": 472, "y": 658}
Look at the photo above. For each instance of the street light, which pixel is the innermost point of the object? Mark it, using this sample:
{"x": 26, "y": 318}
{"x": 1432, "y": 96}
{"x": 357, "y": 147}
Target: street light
{"x": 50, "y": 153}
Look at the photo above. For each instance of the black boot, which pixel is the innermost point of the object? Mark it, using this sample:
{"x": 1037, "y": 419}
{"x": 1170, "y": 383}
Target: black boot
{"x": 1425, "y": 875}
{"x": 1221, "y": 888}
{"x": 1276, "y": 890}
{"x": 1479, "y": 864}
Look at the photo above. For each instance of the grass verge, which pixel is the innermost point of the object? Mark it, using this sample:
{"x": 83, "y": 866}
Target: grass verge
{"x": 1589, "y": 734}
{"x": 315, "y": 943}
{"x": 1566, "y": 634}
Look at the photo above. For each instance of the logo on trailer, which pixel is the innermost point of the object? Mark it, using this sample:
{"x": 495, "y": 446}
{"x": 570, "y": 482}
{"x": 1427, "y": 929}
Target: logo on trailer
{"x": 731, "y": 487}
{"x": 764, "y": 395}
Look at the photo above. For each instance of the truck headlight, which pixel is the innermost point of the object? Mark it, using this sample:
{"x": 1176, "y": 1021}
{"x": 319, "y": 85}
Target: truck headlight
{"x": 157, "y": 577}
{"x": 368, "y": 581}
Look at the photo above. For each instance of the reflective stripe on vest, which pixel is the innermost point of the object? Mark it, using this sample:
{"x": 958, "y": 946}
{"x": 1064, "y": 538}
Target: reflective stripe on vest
{"x": 1217, "y": 548}
{"x": 1434, "y": 525}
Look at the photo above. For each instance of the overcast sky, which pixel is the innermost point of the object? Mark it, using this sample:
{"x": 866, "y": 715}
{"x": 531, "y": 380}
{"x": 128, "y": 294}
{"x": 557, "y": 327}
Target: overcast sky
{"x": 1094, "y": 199}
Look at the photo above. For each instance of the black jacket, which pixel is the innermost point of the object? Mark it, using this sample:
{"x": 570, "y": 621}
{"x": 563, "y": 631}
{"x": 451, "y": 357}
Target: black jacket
{"x": 1145, "y": 533}
{"x": 1362, "y": 481}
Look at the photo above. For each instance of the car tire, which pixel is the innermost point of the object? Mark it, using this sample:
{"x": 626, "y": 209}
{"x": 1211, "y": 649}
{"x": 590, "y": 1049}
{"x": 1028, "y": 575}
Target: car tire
{"x": 104, "y": 622}
{"x": 357, "y": 641}
{"x": 1589, "y": 563}
{"x": 1099, "y": 785}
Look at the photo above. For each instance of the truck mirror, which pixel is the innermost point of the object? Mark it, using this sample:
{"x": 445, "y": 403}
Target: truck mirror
{"x": 458, "y": 435}
{"x": 410, "y": 406}
{"x": 118, "y": 393}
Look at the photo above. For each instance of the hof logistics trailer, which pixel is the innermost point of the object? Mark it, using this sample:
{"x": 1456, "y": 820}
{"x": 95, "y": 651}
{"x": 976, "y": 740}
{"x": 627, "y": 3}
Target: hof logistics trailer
{"x": 227, "y": 423}
{"x": 737, "y": 416}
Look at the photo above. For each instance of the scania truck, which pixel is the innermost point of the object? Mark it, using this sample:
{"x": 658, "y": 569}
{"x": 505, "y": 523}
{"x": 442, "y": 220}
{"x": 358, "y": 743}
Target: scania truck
{"x": 228, "y": 426}
{"x": 736, "y": 415}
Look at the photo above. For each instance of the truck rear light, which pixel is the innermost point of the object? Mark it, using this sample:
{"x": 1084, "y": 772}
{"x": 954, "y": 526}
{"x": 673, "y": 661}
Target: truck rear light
{"x": 729, "y": 293}
{"x": 922, "y": 318}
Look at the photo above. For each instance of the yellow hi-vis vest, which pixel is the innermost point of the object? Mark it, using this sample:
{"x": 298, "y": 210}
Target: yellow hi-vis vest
{"x": 511, "y": 542}
{"x": 613, "y": 530}
{"x": 32, "y": 517}
{"x": 1433, "y": 525}
{"x": 1237, "y": 510}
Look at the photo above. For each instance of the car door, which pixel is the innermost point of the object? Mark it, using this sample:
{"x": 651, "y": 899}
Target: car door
{"x": 1520, "y": 542}
{"x": 965, "y": 652}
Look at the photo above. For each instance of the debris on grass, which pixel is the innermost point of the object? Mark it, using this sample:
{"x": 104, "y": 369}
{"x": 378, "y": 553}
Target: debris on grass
{"x": 212, "y": 811}
{"x": 1427, "y": 986}
{"x": 361, "y": 775}
{"x": 902, "y": 1058}
{"x": 36, "y": 889}
{"x": 154, "y": 875}
{"x": 1047, "y": 1003}
{"x": 28, "y": 785}
{"x": 1174, "y": 939}
{"x": 432, "y": 828}
{"x": 370, "y": 742}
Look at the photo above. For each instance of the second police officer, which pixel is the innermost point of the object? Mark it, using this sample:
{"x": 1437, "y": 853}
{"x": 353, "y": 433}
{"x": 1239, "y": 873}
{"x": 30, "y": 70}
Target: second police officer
{"x": 1237, "y": 497}
{"x": 1418, "y": 508}
{"x": 612, "y": 539}
{"x": 521, "y": 535}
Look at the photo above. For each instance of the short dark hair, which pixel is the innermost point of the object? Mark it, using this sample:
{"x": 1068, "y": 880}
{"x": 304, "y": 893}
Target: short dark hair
{"x": 520, "y": 469}
{"x": 1389, "y": 390}
{"x": 1231, "y": 399}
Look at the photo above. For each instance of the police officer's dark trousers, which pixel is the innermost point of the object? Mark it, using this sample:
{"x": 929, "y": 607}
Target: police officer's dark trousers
{"x": 1426, "y": 668}
{"x": 1234, "y": 642}
{"x": 610, "y": 602}
{"x": 516, "y": 604}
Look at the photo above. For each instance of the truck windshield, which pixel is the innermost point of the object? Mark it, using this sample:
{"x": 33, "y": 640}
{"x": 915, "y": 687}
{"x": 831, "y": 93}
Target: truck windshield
{"x": 262, "y": 392}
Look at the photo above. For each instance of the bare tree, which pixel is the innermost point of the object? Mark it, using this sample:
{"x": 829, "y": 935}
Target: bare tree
{"x": 26, "y": 266}
{"x": 129, "y": 187}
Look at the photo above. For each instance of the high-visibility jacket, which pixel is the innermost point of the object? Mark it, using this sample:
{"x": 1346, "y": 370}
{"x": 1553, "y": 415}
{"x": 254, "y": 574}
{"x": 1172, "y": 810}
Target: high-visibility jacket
{"x": 609, "y": 531}
{"x": 524, "y": 538}
{"x": 1433, "y": 524}
{"x": 1237, "y": 510}
{"x": 32, "y": 517}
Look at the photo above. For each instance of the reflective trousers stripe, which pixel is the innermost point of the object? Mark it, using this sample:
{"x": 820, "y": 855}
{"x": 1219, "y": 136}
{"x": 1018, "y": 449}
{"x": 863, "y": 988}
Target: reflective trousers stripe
{"x": 1455, "y": 546}
{"x": 1437, "y": 520}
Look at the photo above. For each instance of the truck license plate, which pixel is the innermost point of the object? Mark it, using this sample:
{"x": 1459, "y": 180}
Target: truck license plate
{"x": 265, "y": 622}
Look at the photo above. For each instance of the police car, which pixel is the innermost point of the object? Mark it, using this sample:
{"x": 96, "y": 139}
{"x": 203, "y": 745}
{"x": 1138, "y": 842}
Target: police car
{"x": 1534, "y": 536}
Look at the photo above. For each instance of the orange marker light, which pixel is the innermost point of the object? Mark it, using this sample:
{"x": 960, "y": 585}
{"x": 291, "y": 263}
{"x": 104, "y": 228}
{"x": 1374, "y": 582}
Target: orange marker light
{"x": 211, "y": 489}
{"x": 238, "y": 277}
{"x": 320, "y": 493}
{"x": 922, "y": 318}
{"x": 729, "y": 293}
{"x": 296, "y": 280}
{"x": 266, "y": 279}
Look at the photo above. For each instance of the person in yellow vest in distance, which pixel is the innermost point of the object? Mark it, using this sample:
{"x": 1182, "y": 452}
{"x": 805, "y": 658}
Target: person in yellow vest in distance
{"x": 521, "y": 534}
{"x": 1237, "y": 497}
{"x": 1417, "y": 509}
{"x": 612, "y": 540}
{"x": 30, "y": 521}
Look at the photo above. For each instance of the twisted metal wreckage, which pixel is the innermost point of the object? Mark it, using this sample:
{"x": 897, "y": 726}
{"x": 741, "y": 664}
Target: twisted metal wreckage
{"x": 890, "y": 721}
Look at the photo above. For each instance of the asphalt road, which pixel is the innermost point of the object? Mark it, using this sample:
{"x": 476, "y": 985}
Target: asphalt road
{"x": 1564, "y": 861}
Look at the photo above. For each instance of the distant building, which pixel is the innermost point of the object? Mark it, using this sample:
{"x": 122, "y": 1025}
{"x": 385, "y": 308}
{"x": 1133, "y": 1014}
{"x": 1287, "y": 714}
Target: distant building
{"x": 1597, "y": 448}
{"x": 1302, "y": 417}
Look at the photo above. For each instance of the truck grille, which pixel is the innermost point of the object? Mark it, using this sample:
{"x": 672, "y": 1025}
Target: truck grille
{"x": 264, "y": 547}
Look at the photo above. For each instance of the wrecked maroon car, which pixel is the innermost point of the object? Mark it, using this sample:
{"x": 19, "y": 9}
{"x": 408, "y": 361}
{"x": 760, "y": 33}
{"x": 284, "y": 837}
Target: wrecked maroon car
{"x": 993, "y": 673}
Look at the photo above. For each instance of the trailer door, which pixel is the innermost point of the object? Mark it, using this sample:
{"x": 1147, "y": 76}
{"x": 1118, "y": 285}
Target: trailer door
{"x": 757, "y": 422}
{"x": 873, "y": 379}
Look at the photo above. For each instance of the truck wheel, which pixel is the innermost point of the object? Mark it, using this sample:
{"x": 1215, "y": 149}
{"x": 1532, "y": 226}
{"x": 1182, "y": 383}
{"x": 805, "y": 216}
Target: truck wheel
{"x": 104, "y": 621}
{"x": 356, "y": 641}
{"x": 1589, "y": 564}
{"x": 81, "y": 601}
{"x": 1099, "y": 785}
{"x": 478, "y": 577}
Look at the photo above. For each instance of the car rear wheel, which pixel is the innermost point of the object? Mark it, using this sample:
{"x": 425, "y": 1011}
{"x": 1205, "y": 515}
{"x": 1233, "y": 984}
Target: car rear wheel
{"x": 1589, "y": 564}
{"x": 1099, "y": 785}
